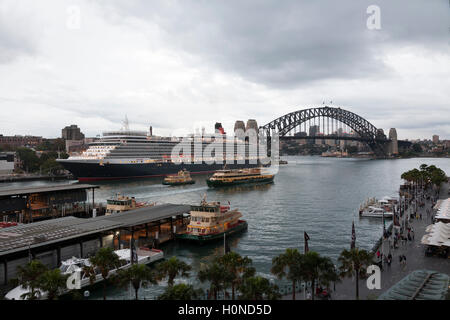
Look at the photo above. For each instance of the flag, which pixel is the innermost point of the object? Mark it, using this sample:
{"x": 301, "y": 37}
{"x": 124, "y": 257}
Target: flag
{"x": 226, "y": 247}
{"x": 306, "y": 242}
{"x": 133, "y": 253}
{"x": 352, "y": 245}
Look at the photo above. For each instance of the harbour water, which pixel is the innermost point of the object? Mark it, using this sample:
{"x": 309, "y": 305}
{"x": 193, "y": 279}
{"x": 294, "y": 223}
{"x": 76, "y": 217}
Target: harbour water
{"x": 318, "y": 195}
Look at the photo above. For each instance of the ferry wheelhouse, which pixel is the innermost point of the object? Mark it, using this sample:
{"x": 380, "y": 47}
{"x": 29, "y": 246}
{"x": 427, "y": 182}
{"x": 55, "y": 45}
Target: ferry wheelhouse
{"x": 210, "y": 221}
{"x": 122, "y": 203}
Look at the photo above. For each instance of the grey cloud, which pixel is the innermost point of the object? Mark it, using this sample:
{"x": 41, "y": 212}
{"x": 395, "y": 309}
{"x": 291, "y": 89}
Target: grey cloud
{"x": 284, "y": 44}
{"x": 17, "y": 37}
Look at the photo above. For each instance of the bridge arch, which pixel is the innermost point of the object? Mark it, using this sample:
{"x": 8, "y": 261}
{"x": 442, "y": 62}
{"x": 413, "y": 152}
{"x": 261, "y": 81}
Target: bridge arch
{"x": 366, "y": 131}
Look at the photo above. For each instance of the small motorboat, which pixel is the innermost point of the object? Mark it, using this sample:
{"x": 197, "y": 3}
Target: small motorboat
{"x": 375, "y": 212}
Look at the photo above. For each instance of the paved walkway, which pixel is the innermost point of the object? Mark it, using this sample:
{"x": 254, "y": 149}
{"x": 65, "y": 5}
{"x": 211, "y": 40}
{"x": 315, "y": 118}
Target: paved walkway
{"x": 415, "y": 257}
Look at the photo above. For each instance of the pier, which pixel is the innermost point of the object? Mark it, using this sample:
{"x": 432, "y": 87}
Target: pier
{"x": 25, "y": 205}
{"x": 52, "y": 241}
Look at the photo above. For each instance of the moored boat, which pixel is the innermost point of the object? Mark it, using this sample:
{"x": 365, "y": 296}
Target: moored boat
{"x": 375, "y": 212}
{"x": 79, "y": 265}
{"x": 122, "y": 203}
{"x": 211, "y": 221}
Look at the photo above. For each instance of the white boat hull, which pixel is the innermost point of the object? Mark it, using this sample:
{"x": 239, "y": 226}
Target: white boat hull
{"x": 17, "y": 292}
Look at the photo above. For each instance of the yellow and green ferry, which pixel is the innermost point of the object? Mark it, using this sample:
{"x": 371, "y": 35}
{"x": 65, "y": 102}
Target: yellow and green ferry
{"x": 232, "y": 177}
{"x": 209, "y": 221}
{"x": 183, "y": 177}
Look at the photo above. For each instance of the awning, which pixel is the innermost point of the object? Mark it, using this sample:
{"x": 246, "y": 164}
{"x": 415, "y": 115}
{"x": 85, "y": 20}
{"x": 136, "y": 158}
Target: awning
{"x": 419, "y": 285}
{"x": 437, "y": 234}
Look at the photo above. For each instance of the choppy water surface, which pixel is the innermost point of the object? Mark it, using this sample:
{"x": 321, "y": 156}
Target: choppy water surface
{"x": 318, "y": 195}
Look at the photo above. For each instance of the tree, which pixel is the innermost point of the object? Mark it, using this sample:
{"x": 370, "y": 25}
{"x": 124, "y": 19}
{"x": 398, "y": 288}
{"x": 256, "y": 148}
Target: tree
{"x": 181, "y": 292}
{"x": 29, "y": 159}
{"x": 52, "y": 282}
{"x": 290, "y": 260}
{"x": 352, "y": 149}
{"x": 314, "y": 267}
{"x": 238, "y": 267}
{"x": 172, "y": 268}
{"x": 137, "y": 274}
{"x": 259, "y": 288}
{"x": 217, "y": 276}
{"x": 105, "y": 260}
{"x": 51, "y": 166}
{"x": 29, "y": 277}
{"x": 417, "y": 148}
{"x": 354, "y": 262}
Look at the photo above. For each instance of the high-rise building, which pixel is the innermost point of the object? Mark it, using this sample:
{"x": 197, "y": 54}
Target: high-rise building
{"x": 435, "y": 139}
{"x": 72, "y": 132}
{"x": 313, "y": 131}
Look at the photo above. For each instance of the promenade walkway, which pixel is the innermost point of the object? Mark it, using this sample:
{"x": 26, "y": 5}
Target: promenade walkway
{"x": 415, "y": 257}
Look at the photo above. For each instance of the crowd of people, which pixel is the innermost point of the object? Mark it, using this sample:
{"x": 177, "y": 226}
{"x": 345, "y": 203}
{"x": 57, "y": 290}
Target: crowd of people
{"x": 406, "y": 232}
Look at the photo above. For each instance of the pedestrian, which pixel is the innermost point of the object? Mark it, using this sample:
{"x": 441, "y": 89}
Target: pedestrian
{"x": 378, "y": 254}
{"x": 400, "y": 258}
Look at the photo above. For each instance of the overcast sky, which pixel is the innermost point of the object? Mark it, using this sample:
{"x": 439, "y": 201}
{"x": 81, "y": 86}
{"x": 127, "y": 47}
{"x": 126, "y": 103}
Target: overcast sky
{"x": 180, "y": 65}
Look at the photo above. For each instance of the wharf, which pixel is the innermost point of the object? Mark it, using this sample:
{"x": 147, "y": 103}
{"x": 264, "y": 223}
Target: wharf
{"x": 52, "y": 241}
{"x": 19, "y": 178}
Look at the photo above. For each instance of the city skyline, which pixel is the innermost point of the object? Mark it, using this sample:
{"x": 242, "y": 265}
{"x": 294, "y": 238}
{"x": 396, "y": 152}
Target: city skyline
{"x": 177, "y": 66}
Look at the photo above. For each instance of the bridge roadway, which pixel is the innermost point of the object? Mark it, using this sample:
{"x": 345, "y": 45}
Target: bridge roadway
{"x": 332, "y": 137}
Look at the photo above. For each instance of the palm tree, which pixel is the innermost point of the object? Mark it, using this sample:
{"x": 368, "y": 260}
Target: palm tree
{"x": 29, "y": 277}
{"x": 354, "y": 262}
{"x": 291, "y": 260}
{"x": 172, "y": 268}
{"x": 105, "y": 260}
{"x": 181, "y": 292}
{"x": 314, "y": 267}
{"x": 259, "y": 288}
{"x": 137, "y": 274}
{"x": 238, "y": 267}
{"x": 52, "y": 282}
{"x": 217, "y": 276}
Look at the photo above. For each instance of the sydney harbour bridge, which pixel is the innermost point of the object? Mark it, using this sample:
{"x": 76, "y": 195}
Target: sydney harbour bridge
{"x": 331, "y": 124}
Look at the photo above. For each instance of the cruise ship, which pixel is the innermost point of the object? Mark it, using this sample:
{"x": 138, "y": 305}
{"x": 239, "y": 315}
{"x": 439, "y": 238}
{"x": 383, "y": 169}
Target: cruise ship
{"x": 127, "y": 154}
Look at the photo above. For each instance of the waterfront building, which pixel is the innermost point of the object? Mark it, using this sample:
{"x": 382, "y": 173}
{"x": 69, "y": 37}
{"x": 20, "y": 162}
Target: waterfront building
{"x": 20, "y": 141}
{"x": 6, "y": 162}
{"x": 75, "y": 146}
{"x": 41, "y": 203}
